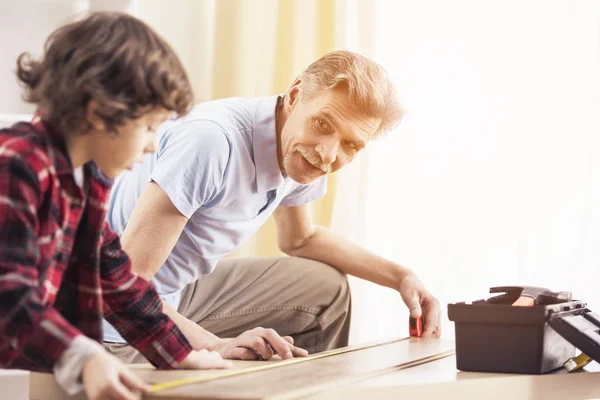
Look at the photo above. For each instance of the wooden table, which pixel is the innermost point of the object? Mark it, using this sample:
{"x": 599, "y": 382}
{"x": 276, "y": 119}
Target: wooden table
{"x": 304, "y": 378}
{"x": 441, "y": 380}
{"x": 393, "y": 370}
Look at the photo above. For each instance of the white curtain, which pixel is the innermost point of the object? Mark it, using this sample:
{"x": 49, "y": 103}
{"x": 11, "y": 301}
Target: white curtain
{"x": 494, "y": 177}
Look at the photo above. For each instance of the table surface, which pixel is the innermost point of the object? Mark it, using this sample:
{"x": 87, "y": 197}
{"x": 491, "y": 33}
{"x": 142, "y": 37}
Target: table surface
{"x": 374, "y": 373}
{"x": 382, "y": 372}
{"x": 441, "y": 380}
{"x": 444, "y": 370}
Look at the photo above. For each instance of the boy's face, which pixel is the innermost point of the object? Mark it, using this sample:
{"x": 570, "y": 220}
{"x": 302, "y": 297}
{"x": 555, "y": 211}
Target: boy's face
{"x": 115, "y": 153}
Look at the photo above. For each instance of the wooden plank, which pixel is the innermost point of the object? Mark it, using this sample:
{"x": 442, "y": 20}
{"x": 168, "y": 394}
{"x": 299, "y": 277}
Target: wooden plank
{"x": 346, "y": 381}
{"x": 43, "y": 387}
{"x": 301, "y": 379}
{"x": 150, "y": 375}
{"x": 246, "y": 368}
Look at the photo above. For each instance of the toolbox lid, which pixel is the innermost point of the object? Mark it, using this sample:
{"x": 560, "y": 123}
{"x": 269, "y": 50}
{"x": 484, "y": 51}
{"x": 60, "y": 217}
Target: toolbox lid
{"x": 581, "y": 328}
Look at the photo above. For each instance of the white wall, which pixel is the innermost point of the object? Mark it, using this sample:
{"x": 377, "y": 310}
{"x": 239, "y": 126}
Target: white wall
{"x": 493, "y": 178}
{"x": 24, "y": 26}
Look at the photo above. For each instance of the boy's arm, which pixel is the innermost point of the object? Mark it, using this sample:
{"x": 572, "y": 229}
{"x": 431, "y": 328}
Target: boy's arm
{"x": 69, "y": 367}
{"x": 26, "y": 318}
{"x": 135, "y": 310}
{"x": 28, "y": 323}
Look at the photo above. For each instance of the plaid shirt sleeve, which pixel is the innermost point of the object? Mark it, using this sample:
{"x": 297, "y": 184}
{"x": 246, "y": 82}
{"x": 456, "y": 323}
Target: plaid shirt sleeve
{"x": 27, "y": 319}
{"x": 135, "y": 310}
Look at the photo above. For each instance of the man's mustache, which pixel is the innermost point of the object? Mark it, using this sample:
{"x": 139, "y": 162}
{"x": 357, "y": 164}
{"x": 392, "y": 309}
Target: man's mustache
{"x": 313, "y": 158}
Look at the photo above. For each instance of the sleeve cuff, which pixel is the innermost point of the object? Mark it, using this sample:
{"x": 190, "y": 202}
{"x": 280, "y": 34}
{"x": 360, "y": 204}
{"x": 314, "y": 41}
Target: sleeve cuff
{"x": 182, "y": 205}
{"x": 167, "y": 348}
{"x": 69, "y": 367}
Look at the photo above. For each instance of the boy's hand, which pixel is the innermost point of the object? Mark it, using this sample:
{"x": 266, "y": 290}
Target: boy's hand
{"x": 204, "y": 359}
{"x": 106, "y": 377}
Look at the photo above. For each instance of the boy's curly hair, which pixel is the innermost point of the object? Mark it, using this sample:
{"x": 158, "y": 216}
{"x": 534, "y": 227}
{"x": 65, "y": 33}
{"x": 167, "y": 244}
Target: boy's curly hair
{"x": 112, "y": 58}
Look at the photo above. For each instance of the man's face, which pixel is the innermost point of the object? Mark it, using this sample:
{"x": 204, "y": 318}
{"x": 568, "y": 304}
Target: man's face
{"x": 323, "y": 134}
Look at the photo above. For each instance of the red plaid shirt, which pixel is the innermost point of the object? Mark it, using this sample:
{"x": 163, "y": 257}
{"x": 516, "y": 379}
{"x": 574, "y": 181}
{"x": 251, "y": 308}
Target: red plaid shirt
{"x": 61, "y": 267}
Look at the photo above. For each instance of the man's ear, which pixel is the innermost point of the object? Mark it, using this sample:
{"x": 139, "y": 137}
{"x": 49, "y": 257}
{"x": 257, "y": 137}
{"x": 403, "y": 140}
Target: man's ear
{"x": 293, "y": 95}
{"x": 93, "y": 119}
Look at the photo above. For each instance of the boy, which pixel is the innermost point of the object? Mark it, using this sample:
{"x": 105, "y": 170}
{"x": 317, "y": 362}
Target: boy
{"x": 103, "y": 86}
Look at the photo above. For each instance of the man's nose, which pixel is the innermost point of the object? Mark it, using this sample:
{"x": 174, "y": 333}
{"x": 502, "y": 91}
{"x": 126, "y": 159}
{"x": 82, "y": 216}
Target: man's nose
{"x": 328, "y": 151}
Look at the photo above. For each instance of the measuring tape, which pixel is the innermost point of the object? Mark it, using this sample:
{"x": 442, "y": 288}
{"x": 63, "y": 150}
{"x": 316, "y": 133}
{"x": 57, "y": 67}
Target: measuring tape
{"x": 576, "y": 363}
{"x": 226, "y": 374}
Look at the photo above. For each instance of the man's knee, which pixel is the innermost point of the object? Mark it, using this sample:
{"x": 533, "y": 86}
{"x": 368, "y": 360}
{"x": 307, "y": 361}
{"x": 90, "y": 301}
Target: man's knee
{"x": 331, "y": 293}
{"x": 325, "y": 282}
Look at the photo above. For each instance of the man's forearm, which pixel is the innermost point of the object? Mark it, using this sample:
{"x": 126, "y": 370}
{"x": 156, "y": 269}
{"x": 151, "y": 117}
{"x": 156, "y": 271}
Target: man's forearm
{"x": 198, "y": 337}
{"x": 333, "y": 249}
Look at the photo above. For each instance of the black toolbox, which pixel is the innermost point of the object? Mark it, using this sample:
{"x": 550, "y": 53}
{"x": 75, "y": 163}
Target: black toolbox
{"x": 494, "y": 336}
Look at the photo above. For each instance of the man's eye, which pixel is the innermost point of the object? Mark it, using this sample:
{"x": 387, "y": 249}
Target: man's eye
{"x": 322, "y": 124}
{"x": 351, "y": 148}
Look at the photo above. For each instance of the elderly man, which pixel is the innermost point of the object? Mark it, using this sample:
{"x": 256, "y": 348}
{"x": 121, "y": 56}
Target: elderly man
{"x": 219, "y": 173}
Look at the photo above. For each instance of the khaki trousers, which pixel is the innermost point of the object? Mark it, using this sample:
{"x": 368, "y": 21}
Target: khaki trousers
{"x": 297, "y": 297}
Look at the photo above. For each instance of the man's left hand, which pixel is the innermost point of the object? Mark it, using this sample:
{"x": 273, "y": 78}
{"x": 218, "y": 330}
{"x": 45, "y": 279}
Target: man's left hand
{"x": 421, "y": 303}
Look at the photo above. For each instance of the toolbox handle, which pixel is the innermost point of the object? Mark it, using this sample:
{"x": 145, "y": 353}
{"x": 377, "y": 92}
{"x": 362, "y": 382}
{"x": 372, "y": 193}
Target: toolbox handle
{"x": 581, "y": 328}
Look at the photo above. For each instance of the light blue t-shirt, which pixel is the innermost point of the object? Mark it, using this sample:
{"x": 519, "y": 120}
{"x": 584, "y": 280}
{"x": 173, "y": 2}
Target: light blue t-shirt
{"x": 219, "y": 167}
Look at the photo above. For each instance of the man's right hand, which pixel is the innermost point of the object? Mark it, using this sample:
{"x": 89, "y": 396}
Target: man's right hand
{"x": 259, "y": 344}
{"x": 106, "y": 377}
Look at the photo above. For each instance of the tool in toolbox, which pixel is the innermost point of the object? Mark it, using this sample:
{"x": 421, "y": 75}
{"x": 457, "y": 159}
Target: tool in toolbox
{"x": 527, "y": 296}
